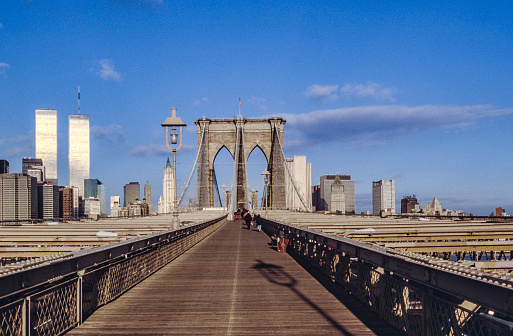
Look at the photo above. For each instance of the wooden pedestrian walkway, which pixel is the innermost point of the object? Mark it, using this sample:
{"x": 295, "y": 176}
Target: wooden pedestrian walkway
{"x": 233, "y": 283}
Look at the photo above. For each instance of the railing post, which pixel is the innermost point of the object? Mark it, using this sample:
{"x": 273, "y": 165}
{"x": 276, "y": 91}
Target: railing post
{"x": 426, "y": 314}
{"x": 80, "y": 281}
{"x": 25, "y": 323}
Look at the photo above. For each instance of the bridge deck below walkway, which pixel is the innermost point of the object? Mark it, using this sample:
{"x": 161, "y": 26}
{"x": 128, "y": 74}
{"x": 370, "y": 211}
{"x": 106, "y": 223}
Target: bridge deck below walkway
{"x": 233, "y": 283}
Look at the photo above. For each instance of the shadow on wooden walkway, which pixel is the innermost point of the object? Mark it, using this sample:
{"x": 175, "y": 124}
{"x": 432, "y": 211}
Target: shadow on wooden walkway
{"x": 233, "y": 283}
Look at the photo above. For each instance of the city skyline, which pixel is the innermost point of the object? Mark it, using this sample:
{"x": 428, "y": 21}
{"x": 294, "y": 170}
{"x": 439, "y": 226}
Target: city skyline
{"x": 410, "y": 91}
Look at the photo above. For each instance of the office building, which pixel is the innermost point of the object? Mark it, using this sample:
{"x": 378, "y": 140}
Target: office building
{"x": 131, "y": 193}
{"x": 316, "y": 197}
{"x": 78, "y": 209}
{"x": 409, "y": 204}
{"x": 37, "y": 173}
{"x": 383, "y": 196}
{"x": 79, "y": 151}
{"x": 115, "y": 205}
{"x": 324, "y": 195}
{"x": 4, "y": 167}
{"x": 300, "y": 170}
{"x": 434, "y": 208}
{"x": 28, "y": 163}
{"x": 499, "y": 211}
{"x": 92, "y": 207}
{"x": 138, "y": 209}
{"x": 102, "y": 199}
{"x": 18, "y": 197}
{"x": 34, "y": 167}
{"x": 147, "y": 197}
{"x": 116, "y": 199}
{"x": 46, "y": 142}
{"x": 338, "y": 201}
{"x": 48, "y": 201}
{"x": 168, "y": 189}
{"x": 95, "y": 189}
{"x": 66, "y": 203}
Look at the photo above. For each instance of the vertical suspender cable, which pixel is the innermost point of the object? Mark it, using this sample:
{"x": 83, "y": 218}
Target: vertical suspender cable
{"x": 307, "y": 207}
{"x": 193, "y": 166}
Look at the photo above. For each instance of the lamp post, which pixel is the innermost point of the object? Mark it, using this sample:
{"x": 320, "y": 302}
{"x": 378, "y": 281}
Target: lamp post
{"x": 173, "y": 143}
{"x": 265, "y": 179}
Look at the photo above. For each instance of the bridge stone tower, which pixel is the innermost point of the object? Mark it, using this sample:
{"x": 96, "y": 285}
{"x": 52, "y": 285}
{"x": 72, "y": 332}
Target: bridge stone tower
{"x": 267, "y": 134}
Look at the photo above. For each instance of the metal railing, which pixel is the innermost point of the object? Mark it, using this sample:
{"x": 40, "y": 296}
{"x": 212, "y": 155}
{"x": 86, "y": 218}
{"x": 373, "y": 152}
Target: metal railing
{"x": 53, "y": 298}
{"x": 419, "y": 295}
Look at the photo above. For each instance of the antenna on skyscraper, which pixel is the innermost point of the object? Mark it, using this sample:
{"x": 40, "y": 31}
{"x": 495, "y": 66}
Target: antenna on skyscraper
{"x": 79, "y": 99}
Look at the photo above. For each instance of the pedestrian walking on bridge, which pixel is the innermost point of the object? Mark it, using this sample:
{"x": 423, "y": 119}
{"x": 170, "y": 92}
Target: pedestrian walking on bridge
{"x": 247, "y": 218}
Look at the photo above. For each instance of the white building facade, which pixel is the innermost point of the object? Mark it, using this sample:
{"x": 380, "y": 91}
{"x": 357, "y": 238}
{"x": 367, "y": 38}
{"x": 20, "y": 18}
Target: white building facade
{"x": 115, "y": 205}
{"x": 46, "y": 142}
{"x": 301, "y": 172}
{"x": 79, "y": 151}
{"x": 383, "y": 196}
{"x": 168, "y": 190}
{"x": 338, "y": 200}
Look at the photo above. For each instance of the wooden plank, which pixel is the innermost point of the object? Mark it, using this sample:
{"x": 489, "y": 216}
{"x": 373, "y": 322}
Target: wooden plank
{"x": 233, "y": 283}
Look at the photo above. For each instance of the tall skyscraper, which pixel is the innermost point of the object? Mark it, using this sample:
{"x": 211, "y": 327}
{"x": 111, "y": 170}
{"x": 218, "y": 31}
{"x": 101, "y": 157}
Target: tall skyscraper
{"x": 66, "y": 203}
{"x": 168, "y": 189}
{"x": 46, "y": 142}
{"x": 300, "y": 170}
{"x": 383, "y": 196}
{"x": 93, "y": 188}
{"x": 18, "y": 197}
{"x": 338, "y": 200}
{"x": 34, "y": 167}
{"x": 131, "y": 193}
{"x": 48, "y": 201}
{"x": 4, "y": 166}
{"x": 324, "y": 199}
{"x": 147, "y": 196}
{"x": 115, "y": 205}
{"x": 28, "y": 163}
{"x": 409, "y": 204}
{"x": 79, "y": 151}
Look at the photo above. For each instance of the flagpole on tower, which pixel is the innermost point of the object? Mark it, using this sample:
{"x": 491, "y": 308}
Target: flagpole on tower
{"x": 240, "y": 103}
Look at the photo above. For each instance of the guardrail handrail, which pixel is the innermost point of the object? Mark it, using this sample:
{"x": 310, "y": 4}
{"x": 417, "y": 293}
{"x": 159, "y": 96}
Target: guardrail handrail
{"x": 457, "y": 279}
{"x": 52, "y": 297}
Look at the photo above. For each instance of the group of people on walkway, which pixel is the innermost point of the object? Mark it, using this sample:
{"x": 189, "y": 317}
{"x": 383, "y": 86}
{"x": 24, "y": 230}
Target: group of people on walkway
{"x": 246, "y": 216}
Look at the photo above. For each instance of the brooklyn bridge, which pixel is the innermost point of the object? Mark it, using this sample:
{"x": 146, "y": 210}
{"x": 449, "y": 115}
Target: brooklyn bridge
{"x": 304, "y": 273}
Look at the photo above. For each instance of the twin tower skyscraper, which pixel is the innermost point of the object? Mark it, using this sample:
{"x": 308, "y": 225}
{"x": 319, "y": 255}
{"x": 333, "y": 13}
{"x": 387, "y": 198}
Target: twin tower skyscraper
{"x": 78, "y": 144}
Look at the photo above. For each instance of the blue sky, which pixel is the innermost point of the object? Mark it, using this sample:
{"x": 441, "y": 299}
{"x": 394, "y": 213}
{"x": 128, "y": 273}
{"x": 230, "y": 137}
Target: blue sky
{"x": 411, "y": 90}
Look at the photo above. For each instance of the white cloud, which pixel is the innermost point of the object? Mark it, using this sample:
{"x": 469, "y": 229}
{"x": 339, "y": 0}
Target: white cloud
{"x": 370, "y": 125}
{"x": 200, "y": 102}
{"x": 150, "y": 150}
{"x": 1, "y": 26}
{"x": 107, "y": 71}
{"x": 21, "y": 145}
{"x": 322, "y": 93}
{"x": 4, "y": 67}
{"x": 109, "y": 133}
{"x": 372, "y": 90}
